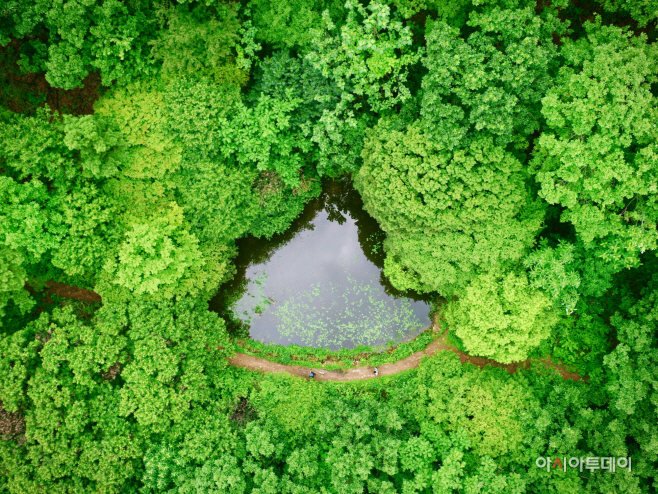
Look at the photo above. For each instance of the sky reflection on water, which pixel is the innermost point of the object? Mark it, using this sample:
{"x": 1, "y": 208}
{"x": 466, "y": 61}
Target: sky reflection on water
{"x": 319, "y": 284}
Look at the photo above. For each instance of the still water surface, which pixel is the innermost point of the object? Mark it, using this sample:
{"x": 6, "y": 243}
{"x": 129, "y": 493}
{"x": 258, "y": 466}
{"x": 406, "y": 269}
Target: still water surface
{"x": 320, "y": 283}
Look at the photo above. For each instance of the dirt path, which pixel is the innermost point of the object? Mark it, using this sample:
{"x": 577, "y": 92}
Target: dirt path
{"x": 362, "y": 373}
{"x": 355, "y": 374}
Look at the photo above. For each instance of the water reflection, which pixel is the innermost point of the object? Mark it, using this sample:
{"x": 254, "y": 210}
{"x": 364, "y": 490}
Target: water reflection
{"x": 320, "y": 283}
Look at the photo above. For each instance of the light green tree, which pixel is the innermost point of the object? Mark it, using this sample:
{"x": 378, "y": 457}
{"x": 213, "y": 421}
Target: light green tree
{"x": 101, "y": 145}
{"x": 501, "y": 317}
{"x": 201, "y": 41}
{"x": 464, "y": 410}
{"x": 553, "y": 271}
{"x": 158, "y": 256}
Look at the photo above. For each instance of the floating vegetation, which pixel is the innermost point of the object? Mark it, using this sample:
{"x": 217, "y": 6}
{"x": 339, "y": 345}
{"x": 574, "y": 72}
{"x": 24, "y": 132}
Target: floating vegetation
{"x": 335, "y": 317}
{"x": 255, "y": 302}
{"x": 376, "y": 242}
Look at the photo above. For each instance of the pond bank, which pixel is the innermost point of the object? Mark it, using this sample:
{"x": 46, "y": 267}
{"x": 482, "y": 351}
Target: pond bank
{"x": 253, "y": 363}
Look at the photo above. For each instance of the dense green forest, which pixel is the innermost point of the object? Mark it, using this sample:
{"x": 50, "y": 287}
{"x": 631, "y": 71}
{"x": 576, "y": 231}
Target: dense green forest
{"x": 508, "y": 150}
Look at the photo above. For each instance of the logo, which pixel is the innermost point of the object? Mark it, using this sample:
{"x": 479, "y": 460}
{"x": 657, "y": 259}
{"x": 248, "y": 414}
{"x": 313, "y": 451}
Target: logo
{"x": 609, "y": 463}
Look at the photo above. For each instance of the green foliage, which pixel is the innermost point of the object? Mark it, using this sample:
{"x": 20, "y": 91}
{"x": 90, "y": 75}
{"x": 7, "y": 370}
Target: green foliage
{"x": 551, "y": 270}
{"x": 211, "y": 121}
{"x": 451, "y": 12}
{"x": 288, "y": 23}
{"x": 196, "y": 110}
{"x": 86, "y": 214}
{"x": 644, "y": 12}
{"x": 100, "y": 144}
{"x": 26, "y": 224}
{"x": 501, "y": 317}
{"x": 283, "y": 76}
{"x": 34, "y": 147}
{"x": 632, "y": 361}
{"x": 219, "y": 121}
{"x": 492, "y": 81}
{"x": 634, "y": 371}
{"x": 201, "y": 41}
{"x": 368, "y": 60}
{"x": 129, "y": 236}
{"x": 140, "y": 112}
{"x": 67, "y": 224}
{"x": 582, "y": 339}
{"x": 218, "y": 198}
{"x": 67, "y": 40}
{"x": 597, "y": 156}
{"x": 452, "y": 200}
{"x": 261, "y": 136}
{"x": 159, "y": 256}
{"x": 94, "y": 392}
{"x": 203, "y": 147}
{"x": 369, "y": 57}
{"x": 441, "y": 427}
{"x": 12, "y": 281}
{"x": 447, "y": 215}
{"x": 484, "y": 406}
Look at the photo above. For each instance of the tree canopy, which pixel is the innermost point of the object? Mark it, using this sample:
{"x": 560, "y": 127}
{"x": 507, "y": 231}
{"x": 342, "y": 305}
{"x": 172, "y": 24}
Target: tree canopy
{"x": 506, "y": 149}
{"x": 596, "y": 157}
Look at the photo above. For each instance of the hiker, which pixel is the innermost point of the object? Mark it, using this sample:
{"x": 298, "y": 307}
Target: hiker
{"x": 376, "y": 371}
{"x": 311, "y": 375}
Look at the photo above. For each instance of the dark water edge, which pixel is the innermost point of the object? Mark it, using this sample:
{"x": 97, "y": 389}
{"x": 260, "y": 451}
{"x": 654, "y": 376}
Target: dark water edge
{"x": 320, "y": 283}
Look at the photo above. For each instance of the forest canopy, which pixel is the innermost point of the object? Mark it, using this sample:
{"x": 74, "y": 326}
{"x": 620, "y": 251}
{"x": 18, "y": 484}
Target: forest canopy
{"x": 507, "y": 149}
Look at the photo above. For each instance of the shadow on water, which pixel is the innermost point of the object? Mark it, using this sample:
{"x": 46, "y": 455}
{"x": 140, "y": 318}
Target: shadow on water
{"x": 320, "y": 283}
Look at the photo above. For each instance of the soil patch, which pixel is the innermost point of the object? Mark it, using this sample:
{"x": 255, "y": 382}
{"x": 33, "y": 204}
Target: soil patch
{"x": 72, "y": 292}
{"x": 12, "y": 426}
{"x": 21, "y": 91}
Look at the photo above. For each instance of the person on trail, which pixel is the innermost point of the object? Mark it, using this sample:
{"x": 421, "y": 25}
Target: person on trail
{"x": 376, "y": 371}
{"x": 311, "y": 375}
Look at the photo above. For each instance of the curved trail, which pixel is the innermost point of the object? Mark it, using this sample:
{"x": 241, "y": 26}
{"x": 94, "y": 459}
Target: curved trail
{"x": 355, "y": 374}
{"x": 366, "y": 372}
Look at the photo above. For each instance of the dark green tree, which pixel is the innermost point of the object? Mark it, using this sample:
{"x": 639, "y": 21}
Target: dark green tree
{"x": 95, "y": 393}
{"x": 447, "y": 215}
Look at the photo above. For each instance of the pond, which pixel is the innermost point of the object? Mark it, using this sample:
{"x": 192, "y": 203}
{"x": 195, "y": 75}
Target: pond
{"x": 320, "y": 283}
